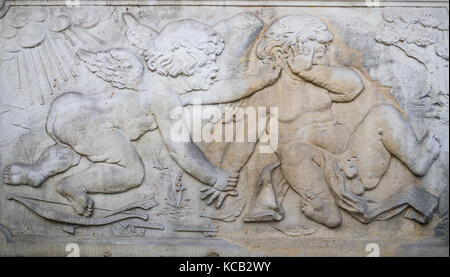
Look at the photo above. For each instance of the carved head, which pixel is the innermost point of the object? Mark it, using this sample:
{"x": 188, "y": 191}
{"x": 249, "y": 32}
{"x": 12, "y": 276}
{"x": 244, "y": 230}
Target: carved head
{"x": 187, "y": 48}
{"x": 348, "y": 166}
{"x": 295, "y": 35}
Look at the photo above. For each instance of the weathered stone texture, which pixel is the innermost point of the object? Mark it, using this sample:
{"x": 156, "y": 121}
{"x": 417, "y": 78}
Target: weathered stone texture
{"x": 343, "y": 109}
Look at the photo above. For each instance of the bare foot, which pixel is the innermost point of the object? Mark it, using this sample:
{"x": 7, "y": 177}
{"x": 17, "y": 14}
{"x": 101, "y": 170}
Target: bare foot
{"x": 352, "y": 202}
{"x": 311, "y": 204}
{"x": 22, "y": 174}
{"x": 315, "y": 208}
{"x": 81, "y": 203}
{"x": 433, "y": 147}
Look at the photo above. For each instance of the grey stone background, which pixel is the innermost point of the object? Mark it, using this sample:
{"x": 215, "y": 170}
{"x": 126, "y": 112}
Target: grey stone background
{"x": 414, "y": 73}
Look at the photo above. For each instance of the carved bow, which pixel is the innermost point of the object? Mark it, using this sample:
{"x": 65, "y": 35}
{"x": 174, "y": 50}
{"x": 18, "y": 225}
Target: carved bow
{"x": 62, "y": 217}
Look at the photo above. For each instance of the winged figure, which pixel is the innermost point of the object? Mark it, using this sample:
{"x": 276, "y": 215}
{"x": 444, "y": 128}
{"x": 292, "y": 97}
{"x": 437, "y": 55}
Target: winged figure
{"x": 174, "y": 62}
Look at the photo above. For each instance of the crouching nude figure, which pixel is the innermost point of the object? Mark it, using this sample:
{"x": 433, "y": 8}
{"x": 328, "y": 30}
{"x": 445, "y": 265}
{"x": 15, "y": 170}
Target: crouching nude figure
{"x": 100, "y": 127}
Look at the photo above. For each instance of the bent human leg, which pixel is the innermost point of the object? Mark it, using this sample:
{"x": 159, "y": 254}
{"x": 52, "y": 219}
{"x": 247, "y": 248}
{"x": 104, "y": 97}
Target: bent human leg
{"x": 307, "y": 179}
{"x": 55, "y": 159}
{"x": 400, "y": 139}
{"x": 384, "y": 131}
{"x": 117, "y": 168}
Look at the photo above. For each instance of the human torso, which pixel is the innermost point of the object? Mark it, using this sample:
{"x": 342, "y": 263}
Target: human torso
{"x": 128, "y": 113}
{"x": 301, "y": 105}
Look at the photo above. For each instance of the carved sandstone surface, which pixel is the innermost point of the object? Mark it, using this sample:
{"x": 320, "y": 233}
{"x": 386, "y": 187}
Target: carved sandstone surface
{"x": 344, "y": 112}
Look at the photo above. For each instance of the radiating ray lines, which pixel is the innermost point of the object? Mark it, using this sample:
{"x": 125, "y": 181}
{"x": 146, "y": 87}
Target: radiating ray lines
{"x": 82, "y": 35}
{"x": 36, "y": 76}
{"x": 27, "y": 74}
{"x": 58, "y": 53}
{"x": 94, "y": 37}
{"x": 40, "y": 69}
{"x": 47, "y": 78}
{"x": 18, "y": 76}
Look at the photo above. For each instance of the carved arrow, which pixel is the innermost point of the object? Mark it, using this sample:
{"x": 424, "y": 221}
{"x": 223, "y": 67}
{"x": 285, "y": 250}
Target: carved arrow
{"x": 150, "y": 225}
{"x": 209, "y": 230}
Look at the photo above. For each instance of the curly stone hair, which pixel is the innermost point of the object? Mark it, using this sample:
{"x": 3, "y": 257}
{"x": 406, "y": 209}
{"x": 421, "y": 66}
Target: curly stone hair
{"x": 289, "y": 30}
{"x": 183, "y": 47}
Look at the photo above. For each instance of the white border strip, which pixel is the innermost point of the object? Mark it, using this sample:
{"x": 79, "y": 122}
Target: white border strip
{"x": 234, "y": 3}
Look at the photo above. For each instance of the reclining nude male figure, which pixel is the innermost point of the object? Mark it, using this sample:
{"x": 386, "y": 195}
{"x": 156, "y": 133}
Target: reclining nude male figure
{"x": 304, "y": 94}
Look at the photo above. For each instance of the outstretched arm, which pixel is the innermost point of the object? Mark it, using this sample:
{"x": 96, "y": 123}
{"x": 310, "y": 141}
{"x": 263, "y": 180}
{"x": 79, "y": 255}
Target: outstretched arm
{"x": 169, "y": 116}
{"x": 230, "y": 90}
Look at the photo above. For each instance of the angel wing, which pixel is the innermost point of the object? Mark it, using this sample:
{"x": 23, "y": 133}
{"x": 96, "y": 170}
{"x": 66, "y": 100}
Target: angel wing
{"x": 118, "y": 66}
{"x": 138, "y": 34}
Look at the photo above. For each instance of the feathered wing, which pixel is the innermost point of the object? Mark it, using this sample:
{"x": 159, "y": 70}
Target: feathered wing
{"x": 120, "y": 67}
{"x": 138, "y": 34}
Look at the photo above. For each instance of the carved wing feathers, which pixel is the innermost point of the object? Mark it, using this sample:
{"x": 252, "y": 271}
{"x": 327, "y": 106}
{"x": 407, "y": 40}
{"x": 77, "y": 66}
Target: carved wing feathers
{"x": 118, "y": 66}
{"x": 139, "y": 35}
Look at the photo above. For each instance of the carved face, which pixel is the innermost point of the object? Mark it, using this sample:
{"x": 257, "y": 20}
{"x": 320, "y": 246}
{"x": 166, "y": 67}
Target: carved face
{"x": 313, "y": 52}
{"x": 348, "y": 165}
{"x": 320, "y": 53}
{"x": 204, "y": 77}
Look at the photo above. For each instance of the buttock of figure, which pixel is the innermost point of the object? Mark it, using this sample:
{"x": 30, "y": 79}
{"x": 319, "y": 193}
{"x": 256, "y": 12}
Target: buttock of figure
{"x": 330, "y": 136}
{"x": 73, "y": 116}
{"x": 94, "y": 137}
{"x": 74, "y": 119}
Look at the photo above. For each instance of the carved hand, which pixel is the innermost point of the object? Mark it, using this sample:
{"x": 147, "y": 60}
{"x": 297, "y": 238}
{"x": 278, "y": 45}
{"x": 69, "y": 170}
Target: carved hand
{"x": 300, "y": 60}
{"x": 268, "y": 74}
{"x": 215, "y": 194}
{"x": 224, "y": 186}
{"x": 353, "y": 202}
{"x": 225, "y": 181}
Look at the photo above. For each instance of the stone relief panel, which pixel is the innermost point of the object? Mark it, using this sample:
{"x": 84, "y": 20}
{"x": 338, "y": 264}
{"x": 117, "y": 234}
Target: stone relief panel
{"x": 116, "y": 124}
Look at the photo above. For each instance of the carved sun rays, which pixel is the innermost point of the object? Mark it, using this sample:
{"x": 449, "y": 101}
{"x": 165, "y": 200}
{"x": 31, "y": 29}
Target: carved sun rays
{"x": 41, "y": 49}
{"x": 44, "y": 66}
